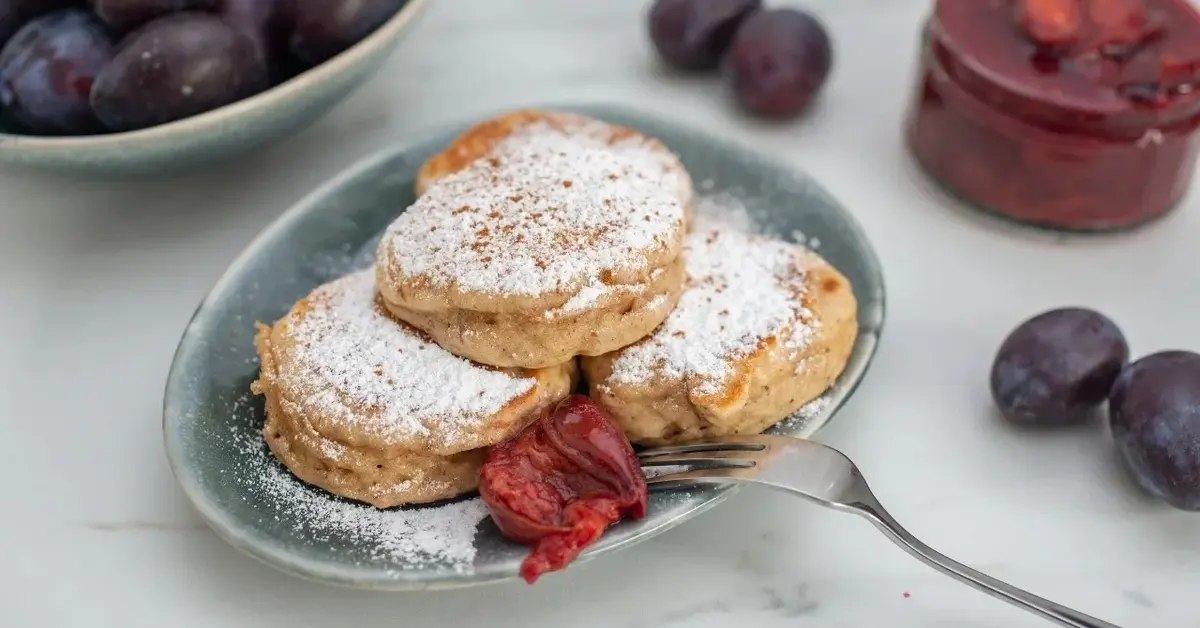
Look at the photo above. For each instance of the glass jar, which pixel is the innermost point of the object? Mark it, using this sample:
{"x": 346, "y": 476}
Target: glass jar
{"x": 1089, "y": 131}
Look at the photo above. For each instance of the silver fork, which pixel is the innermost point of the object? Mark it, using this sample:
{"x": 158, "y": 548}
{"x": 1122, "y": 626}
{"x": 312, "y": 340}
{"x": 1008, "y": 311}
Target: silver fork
{"x": 826, "y": 476}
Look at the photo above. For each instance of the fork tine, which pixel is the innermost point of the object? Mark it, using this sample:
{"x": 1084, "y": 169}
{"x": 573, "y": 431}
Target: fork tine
{"x": 724, "y": 458}
{"x": 696, "y": 476}
{"x": 675, "y": 450}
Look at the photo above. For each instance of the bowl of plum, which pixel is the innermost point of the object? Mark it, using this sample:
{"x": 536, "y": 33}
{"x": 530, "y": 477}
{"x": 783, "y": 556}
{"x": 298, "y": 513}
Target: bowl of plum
{"x": 149, "y": 87}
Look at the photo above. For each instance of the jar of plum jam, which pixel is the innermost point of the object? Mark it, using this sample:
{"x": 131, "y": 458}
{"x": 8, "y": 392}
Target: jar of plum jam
{"x": 1078, "y": 115}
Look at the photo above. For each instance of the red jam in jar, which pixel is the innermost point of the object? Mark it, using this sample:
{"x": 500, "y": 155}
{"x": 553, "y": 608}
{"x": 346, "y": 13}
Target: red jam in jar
{"x": 1077, "y": 115}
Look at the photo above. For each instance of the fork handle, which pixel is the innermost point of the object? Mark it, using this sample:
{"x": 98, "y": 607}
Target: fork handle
{"x": 1056, "y": 613}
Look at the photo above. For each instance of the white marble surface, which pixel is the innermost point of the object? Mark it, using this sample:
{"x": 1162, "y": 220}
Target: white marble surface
{"x": 97, "y": 281}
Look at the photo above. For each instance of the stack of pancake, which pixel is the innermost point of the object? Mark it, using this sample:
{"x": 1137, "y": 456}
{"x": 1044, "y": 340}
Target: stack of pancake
{"x": 542, "y": 246}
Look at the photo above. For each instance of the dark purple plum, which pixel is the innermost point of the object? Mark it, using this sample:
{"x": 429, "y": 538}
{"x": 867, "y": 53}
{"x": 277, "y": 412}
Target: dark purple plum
{"x": 15, "y": 13}
{"x": 779, "y": 61}
{"x": 127, "y": 14}
{"x": 47, "y": 71}
{"x": 257, "y": 19}
{"x": 176, "y": 67}
{"x": 322, "y": 30}
{"x": 1057, "y": 367}
{"x": 694, "y": 34}
{"x": 10, "y": 19}
{"x": 1155, "y": 417}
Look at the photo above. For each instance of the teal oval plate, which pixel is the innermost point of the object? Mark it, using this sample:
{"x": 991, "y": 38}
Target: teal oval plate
{"x": 212, "y": 425}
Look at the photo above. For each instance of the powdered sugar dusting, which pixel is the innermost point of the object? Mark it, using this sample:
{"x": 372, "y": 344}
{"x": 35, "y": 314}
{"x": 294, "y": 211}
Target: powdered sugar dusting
{"x": 586, "y": 298}
{"x": 332, "y": 450}
{"x": 657, "y": 302}
{"x": 802, "y": 418}
{"x": 743, "y": 290}
{"x": 802, "y": 238}
{"x": 353, "y": 363}
{"x": 442, "y": 535}
{"x": 729, "y": 211}
{"x": 553, "y": 208}
{"x": 814, "y": 408}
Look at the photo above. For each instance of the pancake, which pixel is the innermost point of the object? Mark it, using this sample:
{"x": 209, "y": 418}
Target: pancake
{"x": 370, "y": 409}
{"x": 763, "y": 327}
{"x": 539, "y": 236}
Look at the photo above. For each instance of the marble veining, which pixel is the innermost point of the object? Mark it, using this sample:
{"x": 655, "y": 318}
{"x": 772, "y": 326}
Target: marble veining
{"x": 785, "y": 600}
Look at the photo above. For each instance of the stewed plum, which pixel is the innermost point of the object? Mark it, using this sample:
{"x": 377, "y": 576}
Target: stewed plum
{"x": 1050, "y": 22}
{"x": 560, "y": 483}
{"x": 694, "y": 34}
{"x": 47, "y": 71}
{"x": 1057, "y": 367}
{"x": 176, "y": 67}
{"x": 126, "y": 14}
{"x": 779, "y": 61}
{"x": 321, "y": 30}
{"x": 1155, "y": 419}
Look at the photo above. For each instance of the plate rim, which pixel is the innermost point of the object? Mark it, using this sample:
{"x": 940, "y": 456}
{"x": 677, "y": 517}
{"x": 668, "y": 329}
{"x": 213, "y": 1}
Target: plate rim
{"x": 290, "y": 563}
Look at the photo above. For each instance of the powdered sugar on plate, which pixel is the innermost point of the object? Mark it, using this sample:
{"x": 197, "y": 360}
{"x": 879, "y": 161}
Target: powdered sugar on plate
{"x": 743, "y": 290}
{"x": 553, "y": 208}
{"x": 728, "y": 210}
{"x": 799, "y": 420}
{"x": 410, "y": 538}
{"x": 350, "y": 362}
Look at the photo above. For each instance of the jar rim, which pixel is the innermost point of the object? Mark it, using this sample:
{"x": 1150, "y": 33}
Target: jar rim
{"x": 1032, "y": 133}
{"x": 1090, "y": 113}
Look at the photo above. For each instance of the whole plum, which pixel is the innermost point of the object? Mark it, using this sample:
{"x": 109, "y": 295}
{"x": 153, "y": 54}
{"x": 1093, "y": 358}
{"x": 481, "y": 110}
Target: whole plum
{"x": 1155, "y": 419}
{"x": 176, "y": 67}
{"x": 257, "y": 19}
{"x": 127, "y": 14}
{"x": 14, "y": 13}
{"x": 322, "y": 30}
{"x": 694, "y": 34}
{"x": 10, "y": 19}
{"x": 779, "y": 61}
{"x": 1057, "y": 367}
{"x": 47, "y": 71}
